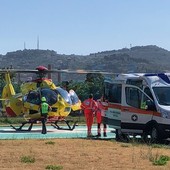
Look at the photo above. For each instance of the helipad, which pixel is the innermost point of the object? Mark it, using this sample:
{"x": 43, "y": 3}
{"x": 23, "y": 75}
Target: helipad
{"x": 35, "y": 133}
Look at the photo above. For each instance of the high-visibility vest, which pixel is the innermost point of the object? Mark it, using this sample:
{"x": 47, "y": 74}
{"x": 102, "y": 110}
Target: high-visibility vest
{"x": 143, "y": 105}
{"x": 44, "y": 108}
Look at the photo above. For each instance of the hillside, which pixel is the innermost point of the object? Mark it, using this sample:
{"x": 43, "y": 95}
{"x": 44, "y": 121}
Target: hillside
{"x": 136, "y": 59}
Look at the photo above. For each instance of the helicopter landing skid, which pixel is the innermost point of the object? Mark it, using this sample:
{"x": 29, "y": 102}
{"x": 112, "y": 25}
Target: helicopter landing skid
{"x": 20, "y": 128}
{"x": 55, "y": 125}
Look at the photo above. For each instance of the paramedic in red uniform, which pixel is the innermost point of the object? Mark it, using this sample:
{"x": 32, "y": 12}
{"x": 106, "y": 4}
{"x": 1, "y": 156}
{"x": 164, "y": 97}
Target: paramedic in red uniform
{"x": 99, "y": 118}
{"x": 89, "y": 107}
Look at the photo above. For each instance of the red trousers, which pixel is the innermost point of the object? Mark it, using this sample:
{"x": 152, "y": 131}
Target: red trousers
{"x": 99, "y": 121}
{"x": 89, "y": 120}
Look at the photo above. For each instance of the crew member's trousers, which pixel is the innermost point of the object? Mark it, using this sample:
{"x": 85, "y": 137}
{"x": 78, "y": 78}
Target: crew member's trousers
{"x": 99, "y": 121}
{"x": 43, "y": 120}
{"x": 89, "y": 120}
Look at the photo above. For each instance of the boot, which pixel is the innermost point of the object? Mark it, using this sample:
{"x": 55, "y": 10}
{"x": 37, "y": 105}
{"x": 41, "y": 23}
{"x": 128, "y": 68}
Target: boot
{"x": 98, "y": 135}
{"x": 90, "y": 135}
{"x": 104, "y": 134}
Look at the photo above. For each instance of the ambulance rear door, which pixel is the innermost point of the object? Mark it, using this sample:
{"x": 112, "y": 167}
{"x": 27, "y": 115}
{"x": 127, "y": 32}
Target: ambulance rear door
{"x": 112, "y": 94}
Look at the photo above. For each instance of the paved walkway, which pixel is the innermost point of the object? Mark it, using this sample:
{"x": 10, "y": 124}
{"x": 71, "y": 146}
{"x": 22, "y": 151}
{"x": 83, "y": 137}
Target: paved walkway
{"x": 35, "y": 133}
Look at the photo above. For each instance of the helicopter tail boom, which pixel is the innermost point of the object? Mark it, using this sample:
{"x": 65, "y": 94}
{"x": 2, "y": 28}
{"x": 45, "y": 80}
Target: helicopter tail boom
{"x": 8, "y": 89}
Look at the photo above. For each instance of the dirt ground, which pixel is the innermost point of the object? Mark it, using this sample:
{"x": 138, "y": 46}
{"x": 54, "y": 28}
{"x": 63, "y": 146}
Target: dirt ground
{"x": 79, "y": 154}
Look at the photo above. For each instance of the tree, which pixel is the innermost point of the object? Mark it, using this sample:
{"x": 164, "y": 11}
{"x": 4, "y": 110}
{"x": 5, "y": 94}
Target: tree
{"x": 93, "y": 84}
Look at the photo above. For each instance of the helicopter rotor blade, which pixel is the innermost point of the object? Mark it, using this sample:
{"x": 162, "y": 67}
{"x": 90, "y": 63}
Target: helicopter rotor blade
{"x": 18, "y": 71}
{"x": 83, "y": 72}
{"x": 79, "y": 71}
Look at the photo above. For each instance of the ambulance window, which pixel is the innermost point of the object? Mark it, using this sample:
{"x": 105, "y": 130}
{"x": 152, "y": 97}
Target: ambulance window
{"x": 115, "y": 93}
{"x": 133, "y": 96}
{"x": 163, "y": 95}
{"x": 148, "y": 92}
{"x": 137, "y": 83}
{"x": 107, "y": 87}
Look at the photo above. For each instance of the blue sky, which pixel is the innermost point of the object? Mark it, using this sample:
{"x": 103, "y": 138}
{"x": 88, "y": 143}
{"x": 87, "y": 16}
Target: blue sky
{"x": 83, "y": 26}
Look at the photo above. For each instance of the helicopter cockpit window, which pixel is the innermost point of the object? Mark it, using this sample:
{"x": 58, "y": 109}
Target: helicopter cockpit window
{"x": 33, "y": 97}
{"x": 64, "y": 94}
{"x": 74, "y": 97}
{"x": 50, "y": 95}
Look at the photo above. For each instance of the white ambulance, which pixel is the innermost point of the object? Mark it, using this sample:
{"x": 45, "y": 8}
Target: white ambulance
{"x": 139, "y": 104}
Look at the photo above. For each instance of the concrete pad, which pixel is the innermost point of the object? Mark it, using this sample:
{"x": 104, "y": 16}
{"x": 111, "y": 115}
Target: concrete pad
{"x": 35, "y": 133}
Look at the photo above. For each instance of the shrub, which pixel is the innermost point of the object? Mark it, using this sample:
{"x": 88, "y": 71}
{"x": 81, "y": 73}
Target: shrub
{"x": 162, "y": 160}
{"x": 54, "y": 167}
{"x": 27, "y": 159}
{"x": 50, "y": 143}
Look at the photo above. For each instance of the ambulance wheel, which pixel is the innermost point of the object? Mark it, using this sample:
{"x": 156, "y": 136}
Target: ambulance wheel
{"x": 154, "y": 133}
{"x": 158, "y": 135}
{"x": 121, "y": 136}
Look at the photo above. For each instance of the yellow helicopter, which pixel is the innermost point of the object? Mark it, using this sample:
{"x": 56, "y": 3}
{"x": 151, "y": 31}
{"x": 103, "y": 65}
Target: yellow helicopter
{"x": 28, "y": 101}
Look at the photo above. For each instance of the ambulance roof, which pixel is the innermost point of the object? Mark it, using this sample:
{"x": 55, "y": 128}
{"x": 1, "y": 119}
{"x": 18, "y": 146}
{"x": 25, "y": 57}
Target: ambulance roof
{"x": 153, "y": 79}
{"x": 158, "y": 80}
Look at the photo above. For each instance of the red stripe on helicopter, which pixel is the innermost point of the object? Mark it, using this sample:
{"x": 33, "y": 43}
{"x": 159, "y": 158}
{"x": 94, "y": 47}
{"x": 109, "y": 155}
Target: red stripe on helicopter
{"x": 55, "y": 118}
{"x": 134, "y": 110}
{"x": 10, "y": 112}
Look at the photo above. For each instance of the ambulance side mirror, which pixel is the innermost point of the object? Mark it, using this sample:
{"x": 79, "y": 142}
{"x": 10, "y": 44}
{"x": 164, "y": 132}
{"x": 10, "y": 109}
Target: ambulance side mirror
{"x": 150, "y": 105}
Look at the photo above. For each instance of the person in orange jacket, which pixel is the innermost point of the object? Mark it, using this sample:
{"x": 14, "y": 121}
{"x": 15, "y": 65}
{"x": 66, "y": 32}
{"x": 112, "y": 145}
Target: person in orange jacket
{"x": 99, "y": 119}
{"x": 89, "y": 107}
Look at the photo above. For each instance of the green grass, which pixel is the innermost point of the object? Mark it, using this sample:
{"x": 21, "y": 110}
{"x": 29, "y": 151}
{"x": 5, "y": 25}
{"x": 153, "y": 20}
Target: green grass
{"x": 54, "y": 167}
{"x": 50, "y": 143}
{"x": 11, "y": 120}
{"x": 161, "y": 160}
{"x": 160, "y": 146}
{"x": 19, "y": 120}
{"x": 27, "y": 159}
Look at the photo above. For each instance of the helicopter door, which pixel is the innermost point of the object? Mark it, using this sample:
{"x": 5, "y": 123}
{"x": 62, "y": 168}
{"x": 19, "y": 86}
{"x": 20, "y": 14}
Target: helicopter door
{"x": 32, "y": 101}
{"x": 76, "y": 103}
